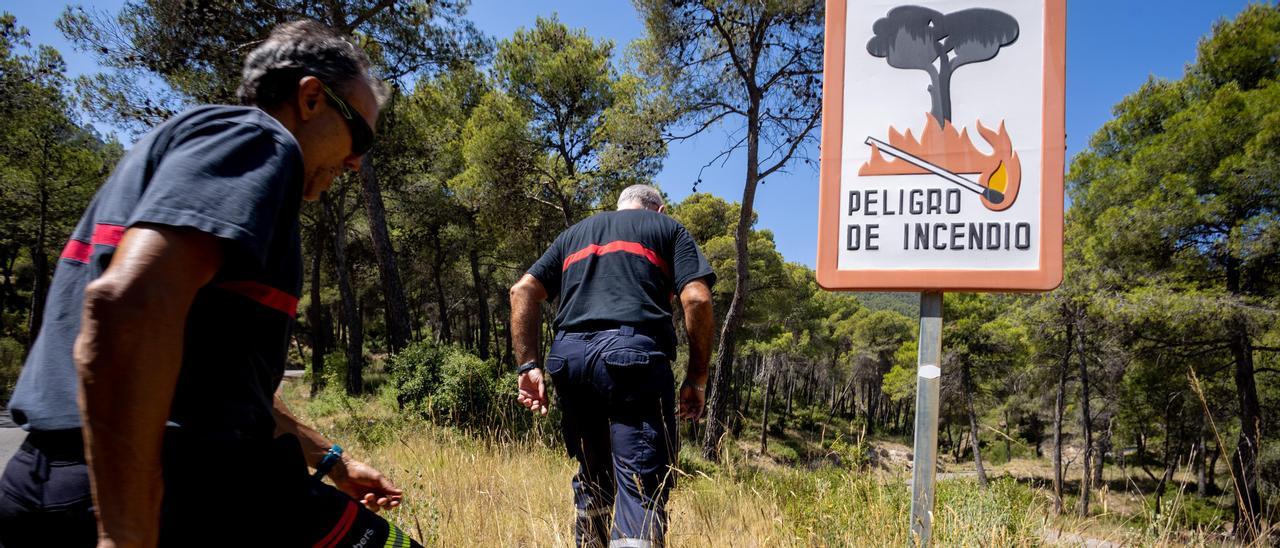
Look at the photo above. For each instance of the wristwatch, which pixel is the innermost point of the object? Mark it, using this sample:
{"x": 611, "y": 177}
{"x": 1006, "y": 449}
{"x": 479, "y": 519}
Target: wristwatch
{"x": 331, "y": 458}
{"x": 527, "y": 367}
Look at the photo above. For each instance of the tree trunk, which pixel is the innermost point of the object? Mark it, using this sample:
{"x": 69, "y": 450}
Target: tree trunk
{"x": 1202, "y": 484}
{"x": 791, "y": 386}
{"x": 873, "y": 405}
{"x": 39, "y": 263}
{"x": 1100, "y": 451}
{"x": 7, "y": 292}
{"x": 1213, "y": 466}
{"x": 480, "y": 291}
{"x": 316, "y": 316}
{"x": 717, "y": 408}
{"x": 973, "y": 423}
{"x": 1059, "y": 409}
{"x": 437, "y": 278}
{"x": 1245, "y": 461}
{"x": 399, "y": 330}
{"x": 468, "y": 335}
{"x": 736, "y": 399}
{"x": 1008, "y": 445}
{"x": 1086, "y": 424}
{"x": 764, "y": 413}
{"x": 350, "y": 314}
{"x": 1170, "y": 456}
{"x": 39, "y": 291}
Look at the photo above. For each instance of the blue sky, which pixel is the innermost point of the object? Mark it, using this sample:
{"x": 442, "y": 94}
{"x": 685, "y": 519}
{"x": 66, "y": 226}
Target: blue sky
{"x": 1112, "y": 48}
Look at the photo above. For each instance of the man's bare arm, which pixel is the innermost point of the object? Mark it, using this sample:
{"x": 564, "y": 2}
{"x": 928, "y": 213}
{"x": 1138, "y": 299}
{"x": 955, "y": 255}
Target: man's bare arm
{"x": 128, "y": 355}
{"x": 526, "y": 296}
{"x": 699, "y": 324}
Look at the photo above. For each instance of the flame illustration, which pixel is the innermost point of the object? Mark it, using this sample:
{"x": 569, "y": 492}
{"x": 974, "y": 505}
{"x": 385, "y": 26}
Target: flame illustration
{"x": 953, "y": 150}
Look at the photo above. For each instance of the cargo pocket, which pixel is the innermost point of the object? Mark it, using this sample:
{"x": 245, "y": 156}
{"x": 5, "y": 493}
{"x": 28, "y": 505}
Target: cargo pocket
{"x": 632, "y": 374}
{"x": 626, "y": 358}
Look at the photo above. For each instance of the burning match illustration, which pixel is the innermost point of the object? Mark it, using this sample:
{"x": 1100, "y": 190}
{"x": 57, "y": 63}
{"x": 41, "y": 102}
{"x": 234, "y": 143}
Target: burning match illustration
{"x": 989, "y": 193}
{"x": 914, "y": 37}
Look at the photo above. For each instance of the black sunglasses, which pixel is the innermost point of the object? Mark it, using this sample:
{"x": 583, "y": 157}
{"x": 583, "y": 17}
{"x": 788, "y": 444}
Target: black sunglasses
{"x": 361, "y": 133}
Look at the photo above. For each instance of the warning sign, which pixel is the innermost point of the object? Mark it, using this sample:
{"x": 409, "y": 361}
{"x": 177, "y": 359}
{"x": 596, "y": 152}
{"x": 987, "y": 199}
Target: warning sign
{"x": 942, "y": 146}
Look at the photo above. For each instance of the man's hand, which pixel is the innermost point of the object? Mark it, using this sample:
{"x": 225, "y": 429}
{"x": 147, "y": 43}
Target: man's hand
{"x": 692, "y": 399}
{"x": 533, "y": 392}
{"x": 365, "y": 484}
{"x": 357, "y": 479}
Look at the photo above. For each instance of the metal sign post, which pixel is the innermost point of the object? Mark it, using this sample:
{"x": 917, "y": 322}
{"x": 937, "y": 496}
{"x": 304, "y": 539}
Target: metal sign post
{"x": 928, "y": 381}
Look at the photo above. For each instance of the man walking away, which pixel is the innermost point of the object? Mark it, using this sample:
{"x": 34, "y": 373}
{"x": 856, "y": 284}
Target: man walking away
{"x": 615, "y": 274}
{"x": 178, "y": 291}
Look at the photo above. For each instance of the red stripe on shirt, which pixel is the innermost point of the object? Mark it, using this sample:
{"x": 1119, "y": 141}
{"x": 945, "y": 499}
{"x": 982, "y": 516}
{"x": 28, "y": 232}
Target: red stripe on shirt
{"x": 77, "y": 251}
{"x": 615, "y": 246}
{"x": 103, "y": 234}
{"x": 265, "y": 295}
{"x": 340, "y": 530}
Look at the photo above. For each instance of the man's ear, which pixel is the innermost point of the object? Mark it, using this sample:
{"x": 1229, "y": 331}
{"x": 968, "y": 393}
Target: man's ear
{"x": 309, "y": 97}
{"x": 662, "y": 208}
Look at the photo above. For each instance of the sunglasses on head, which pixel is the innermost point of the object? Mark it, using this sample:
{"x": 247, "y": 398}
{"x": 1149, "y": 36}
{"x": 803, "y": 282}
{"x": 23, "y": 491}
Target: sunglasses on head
{"x": 361, "y": 133}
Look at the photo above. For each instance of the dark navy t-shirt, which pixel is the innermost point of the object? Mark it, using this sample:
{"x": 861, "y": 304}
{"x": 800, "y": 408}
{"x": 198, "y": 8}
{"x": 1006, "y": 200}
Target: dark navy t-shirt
{"x": 620, "y": 268}
{"x": 235, "y": 173}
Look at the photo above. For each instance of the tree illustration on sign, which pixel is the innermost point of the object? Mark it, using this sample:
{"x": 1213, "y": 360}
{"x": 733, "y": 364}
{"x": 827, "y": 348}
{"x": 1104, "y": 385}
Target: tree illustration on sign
{"x": 918, "y": 38}
{"x": 914, "y": 37}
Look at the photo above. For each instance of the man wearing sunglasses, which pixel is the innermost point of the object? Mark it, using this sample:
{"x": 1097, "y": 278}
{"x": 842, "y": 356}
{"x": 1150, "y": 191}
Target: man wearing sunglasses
{"x": 154, "y": 375}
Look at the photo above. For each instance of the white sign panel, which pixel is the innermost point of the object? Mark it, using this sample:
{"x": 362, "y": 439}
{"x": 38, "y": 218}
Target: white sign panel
{"x": 942, "y": 145}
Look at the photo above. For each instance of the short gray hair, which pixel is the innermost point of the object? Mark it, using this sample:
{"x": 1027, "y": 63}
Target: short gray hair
{"x": 644, "y": 195}
{"x": 297, "y": 49}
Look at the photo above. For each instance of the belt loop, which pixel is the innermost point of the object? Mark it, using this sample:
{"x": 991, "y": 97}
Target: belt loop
{"x": 40, "y": 472}
{"x": 626, "y": 331}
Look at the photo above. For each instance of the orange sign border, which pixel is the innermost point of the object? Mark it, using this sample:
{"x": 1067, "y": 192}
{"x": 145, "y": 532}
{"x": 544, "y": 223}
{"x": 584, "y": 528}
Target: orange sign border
{"x": 1047, "y": 277}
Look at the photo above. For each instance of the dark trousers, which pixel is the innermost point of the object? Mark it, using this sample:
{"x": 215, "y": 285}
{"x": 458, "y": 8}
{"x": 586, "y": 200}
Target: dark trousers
{"x": 617, "y": 394}
{"x": 44, "y": 494}
{"x": 216, "y": 494}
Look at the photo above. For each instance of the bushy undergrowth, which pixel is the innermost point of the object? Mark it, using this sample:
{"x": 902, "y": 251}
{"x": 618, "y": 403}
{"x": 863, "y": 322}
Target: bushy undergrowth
{"x": 450, "y": 386}
{"x": 10, "y": 365}
{"x": 444, "y": 382}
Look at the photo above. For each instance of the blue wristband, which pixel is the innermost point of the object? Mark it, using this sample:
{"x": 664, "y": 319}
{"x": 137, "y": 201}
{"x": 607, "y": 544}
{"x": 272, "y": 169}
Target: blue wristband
{"x": 331, "y": 458}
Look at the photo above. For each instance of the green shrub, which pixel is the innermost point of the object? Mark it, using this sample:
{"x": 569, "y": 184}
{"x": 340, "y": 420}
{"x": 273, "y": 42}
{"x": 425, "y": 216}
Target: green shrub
{"x": 465, "y": 393}
{"x": 809, "y": 418}
{"x": 335, "y": 369}
{"x": 448, "y": 383}
{"x": 10, "y": 365}
{"x": 851, "y": 454}
{"x": 782, "y": 452}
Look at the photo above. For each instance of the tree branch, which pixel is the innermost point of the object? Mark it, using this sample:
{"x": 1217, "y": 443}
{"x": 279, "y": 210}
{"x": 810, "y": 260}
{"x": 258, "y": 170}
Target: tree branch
{"x": 795, "y": 144}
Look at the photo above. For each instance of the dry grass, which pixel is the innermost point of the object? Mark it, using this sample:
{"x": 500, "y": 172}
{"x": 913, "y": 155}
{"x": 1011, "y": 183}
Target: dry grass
{"x": 468, "y": 490}
{"x": 493, "y": 490}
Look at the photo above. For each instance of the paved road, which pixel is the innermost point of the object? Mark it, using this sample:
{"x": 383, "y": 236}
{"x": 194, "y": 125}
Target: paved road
{"x": 10, "y": 437}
